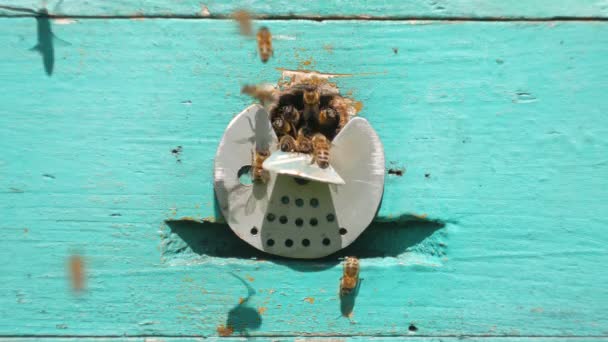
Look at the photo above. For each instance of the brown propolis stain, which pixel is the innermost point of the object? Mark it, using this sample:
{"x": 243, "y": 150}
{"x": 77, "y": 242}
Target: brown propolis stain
{"x": 262, "y": 310}
{"x": 311, "y": 300}
{"x": 250, "y": 278}
{"x": 358, "y": 106}
{"x": 241, "y": 300}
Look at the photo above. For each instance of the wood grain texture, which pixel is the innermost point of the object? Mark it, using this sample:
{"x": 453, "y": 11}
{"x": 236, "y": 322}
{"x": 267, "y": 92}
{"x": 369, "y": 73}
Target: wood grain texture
{"x": 308, "y": 339}
{"x": 466, "y": 9}
{"x": 500, "y": 128}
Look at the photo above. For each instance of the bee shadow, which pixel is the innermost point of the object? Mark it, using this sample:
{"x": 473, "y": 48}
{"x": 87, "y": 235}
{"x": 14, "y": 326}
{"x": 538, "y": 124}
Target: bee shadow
{"x": 242, "y": 318}
{"x": 347, "y": 302}
{"x": 381, "y": 239}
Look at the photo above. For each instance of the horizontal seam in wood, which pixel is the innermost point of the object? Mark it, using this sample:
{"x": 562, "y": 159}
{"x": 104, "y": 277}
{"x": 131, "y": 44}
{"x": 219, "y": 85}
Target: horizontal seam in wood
{"x": 409, "y": 336}
{"x": 26, "y": 13}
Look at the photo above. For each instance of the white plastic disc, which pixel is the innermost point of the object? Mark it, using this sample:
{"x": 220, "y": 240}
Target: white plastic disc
{"x": 310, "y": 216}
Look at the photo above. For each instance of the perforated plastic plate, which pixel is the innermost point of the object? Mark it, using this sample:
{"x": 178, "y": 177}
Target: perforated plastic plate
{"x": 299, "y": 217}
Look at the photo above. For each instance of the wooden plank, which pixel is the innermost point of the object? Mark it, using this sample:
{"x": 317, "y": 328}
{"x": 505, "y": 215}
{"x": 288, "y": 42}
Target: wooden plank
{"x": 496, "y": 9}
{"x": 499, "y": 126}
{"x": 308, "y": 339}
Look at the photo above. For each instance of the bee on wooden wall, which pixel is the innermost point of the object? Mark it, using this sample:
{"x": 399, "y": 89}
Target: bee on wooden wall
{"x": 350, "y": 276}
{"x": 258, "y": 174}
{"x": 264, "y": 44}
{"x": 320, "y": 150}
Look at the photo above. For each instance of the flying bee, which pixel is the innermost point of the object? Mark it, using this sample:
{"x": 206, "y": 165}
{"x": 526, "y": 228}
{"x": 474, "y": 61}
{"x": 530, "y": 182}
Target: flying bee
{"x": 303, "y": 142}
{"x": 258, "y": 174}
{"x": 350, "y": 276}
{"x": 288, "y": 144}
{"x": 77, "y": 273}
{"x": 264, "y": 93}
{"x": 244, "y": 19}
{"x": 320, "y": 150}
{"x": 265, "y": 44}
{"x": 339, "y": 104}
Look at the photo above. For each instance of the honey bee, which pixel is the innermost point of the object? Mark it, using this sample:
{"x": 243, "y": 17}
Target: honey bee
{"x": 265, "y": 44}
{"x": 320, "y": 150}
{"x": 328, "y": 121}
{"x": 312, "y": 101}
{"x": 77, "y": 272}
{"x": 244, "y": 20}
{"x": 291, "y": 114}
{"x": 303, "y": 142}
{"x": 338, "y": 103}
{"x": 350, "y": 276}
{"x": 264, "y": 93}
{"x": 281, "y": 126}
{"x": 258, "y": 174}
{"x": 288, "y": 144}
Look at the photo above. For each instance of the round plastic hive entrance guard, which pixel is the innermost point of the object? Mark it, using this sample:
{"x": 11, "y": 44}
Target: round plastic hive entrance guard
{"x": 302, "y": 211}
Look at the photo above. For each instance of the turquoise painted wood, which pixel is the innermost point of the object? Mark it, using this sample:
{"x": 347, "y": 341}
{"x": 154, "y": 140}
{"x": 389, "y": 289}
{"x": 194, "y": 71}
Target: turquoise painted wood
{"x": 464, "y": 9}
{"x": 499, "y": 127}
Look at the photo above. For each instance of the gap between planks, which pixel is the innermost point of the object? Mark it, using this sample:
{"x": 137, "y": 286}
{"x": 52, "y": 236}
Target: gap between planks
{"x": 320, "y": 336}
{"x": 23, "y": 12}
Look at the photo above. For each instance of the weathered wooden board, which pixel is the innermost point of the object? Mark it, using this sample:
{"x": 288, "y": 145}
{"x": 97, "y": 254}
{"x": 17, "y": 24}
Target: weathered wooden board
{"x": 500, "y": 128}
{"x": 311, "y": 339}
{"x": 496, "y": 9}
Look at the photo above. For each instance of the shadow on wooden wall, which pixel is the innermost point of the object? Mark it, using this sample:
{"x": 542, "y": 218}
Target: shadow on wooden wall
{"x": 381, "y": 239}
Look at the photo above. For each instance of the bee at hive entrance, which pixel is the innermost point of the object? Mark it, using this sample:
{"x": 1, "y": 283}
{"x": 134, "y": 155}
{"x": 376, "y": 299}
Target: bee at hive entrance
{"x": 306, "y": 114}
{"x": 317, "y": 170}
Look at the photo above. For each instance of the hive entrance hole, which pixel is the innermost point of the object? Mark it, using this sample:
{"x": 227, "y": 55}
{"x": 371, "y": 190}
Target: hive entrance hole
{"x": 244, "y": 175}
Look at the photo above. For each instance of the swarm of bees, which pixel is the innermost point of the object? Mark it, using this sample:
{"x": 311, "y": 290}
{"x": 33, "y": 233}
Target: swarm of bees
{"x": 306, "y": 114}
{"x": 350, "y": 276}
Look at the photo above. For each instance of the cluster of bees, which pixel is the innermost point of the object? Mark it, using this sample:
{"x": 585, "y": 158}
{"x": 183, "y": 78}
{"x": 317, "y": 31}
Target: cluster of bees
{"x": 306, "y": 114}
